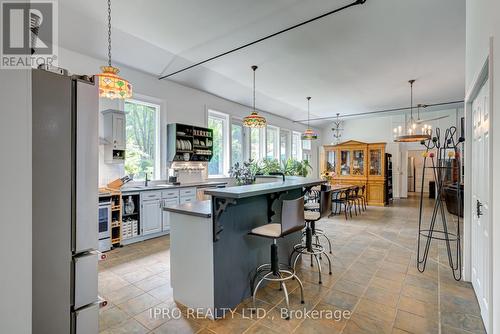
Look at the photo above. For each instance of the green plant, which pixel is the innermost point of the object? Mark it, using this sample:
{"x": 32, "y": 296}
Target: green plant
{"x": 268, "y": 166}
{"x": 296, "y": 168}
{"x": 242, "y": 173}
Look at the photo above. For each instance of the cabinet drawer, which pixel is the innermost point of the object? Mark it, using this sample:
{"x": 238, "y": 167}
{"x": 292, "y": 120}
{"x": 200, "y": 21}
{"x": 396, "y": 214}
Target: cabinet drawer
{"x": 186, "y": 192}
{"x": 85, "y": 288}
{"x": 170, "y": 193}
{"x": 149, "y": 195}
{"x": 187, "y": 199}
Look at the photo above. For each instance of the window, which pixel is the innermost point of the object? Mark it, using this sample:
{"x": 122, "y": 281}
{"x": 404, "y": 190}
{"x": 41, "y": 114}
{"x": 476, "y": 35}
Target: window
{"x": 218, "y": 122}
{"x": 306, "y": 144}
{"x": 296, "y": 146}
{"x": 236, "y": 143}
{"x": 143, "y": 137}
{"x": 284, "y": 144}
{"x": 272, "y": 142}
{"x": 256, "y": 141}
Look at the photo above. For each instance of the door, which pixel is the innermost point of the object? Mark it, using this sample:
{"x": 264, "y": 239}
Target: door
{"x": 481, "y": 243}
{"x": 119, "y": 131}
{"x": 87, "y": 167}
{"x": 151, "y": 217}
{"x": 165, "y": 214}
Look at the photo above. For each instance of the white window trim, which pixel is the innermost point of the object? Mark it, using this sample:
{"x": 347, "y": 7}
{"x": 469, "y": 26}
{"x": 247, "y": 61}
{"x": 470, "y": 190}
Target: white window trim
{"x": 244, "y": 144}
{"x": 288, "y": 152}
{"x": 226, "y": 145}
{"x": 299, "y": 145}
{"x": 262, "y": 143}
{"x": 159, "y": 105}
{"x": 277, "y": 145}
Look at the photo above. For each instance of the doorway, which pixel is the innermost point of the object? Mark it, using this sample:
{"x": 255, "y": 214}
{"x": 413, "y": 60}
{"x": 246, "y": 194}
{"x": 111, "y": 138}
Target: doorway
{"x": 416, "y": 170}
{"x": 481, "y": 250}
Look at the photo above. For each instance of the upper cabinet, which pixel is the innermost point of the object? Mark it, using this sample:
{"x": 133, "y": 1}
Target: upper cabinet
{"x": 189, "y": 143}
{"x": 115, "y": 135}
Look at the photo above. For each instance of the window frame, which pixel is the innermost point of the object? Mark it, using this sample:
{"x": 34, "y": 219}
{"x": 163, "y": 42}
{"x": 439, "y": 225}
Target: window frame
{"x": 159, "y": 106}
{"x": 288, "y": 150}
{"x": 276, "y": 145}
{"x": 262, "y": 143}
{"x": 226, "y": 144}
{"x": 244, "y": 148}
{"x": 299, "y": 146}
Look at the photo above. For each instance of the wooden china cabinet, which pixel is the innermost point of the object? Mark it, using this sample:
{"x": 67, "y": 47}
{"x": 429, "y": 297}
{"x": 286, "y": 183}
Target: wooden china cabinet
{"x": 357, "y": 163}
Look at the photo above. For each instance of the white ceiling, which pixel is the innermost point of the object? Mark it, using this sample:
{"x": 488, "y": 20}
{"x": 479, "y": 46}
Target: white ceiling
{"x": 354, "y": 61}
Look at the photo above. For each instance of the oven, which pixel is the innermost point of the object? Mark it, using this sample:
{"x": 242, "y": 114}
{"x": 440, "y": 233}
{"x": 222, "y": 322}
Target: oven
{"x": 104, "y": 225}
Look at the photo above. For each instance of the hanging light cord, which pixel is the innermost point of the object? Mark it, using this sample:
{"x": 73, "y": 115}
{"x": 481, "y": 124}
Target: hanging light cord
{"x": 109, "y": 32}
{"x": 254, "y": 68}
{"x": 411, "y": 100}
{"x": 308, "y": 112}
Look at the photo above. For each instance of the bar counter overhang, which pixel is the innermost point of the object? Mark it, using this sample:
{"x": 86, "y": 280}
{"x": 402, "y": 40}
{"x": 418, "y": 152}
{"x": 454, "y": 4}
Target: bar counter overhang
{"x": 213, "y": 258}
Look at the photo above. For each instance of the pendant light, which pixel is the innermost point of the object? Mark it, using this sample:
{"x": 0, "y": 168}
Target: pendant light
{"x": 337, "y": 129}
{"x": 410, "y": 133}
{"x": 309, "y": 134}
{"x": 254, "y": 120}
{"x": 111, "y": 85}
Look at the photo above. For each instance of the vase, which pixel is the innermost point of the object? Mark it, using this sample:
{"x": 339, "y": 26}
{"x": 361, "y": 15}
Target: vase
{"x": 129, "y": 206}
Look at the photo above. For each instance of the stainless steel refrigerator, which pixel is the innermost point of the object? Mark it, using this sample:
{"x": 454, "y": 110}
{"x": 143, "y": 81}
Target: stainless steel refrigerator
{"x": 65, "y": 204}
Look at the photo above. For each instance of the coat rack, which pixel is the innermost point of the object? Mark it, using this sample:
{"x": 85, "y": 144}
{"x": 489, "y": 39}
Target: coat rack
{"x": 447, "y": 152}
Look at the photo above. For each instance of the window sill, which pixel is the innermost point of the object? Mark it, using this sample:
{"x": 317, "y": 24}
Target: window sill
{"x": 219, "y": 176}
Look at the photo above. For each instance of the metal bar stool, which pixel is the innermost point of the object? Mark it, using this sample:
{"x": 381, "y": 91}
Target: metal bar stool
{"x": 292, "y": 220}
{"x": 314, "y": 249}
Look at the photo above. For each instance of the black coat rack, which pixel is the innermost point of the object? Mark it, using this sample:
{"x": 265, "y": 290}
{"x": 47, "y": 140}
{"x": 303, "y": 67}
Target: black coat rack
{"x": 447, "y": 151}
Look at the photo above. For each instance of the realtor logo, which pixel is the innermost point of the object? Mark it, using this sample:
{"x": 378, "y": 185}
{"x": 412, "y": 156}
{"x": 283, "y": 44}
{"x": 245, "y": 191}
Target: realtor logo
{"x": 29, "y": 34}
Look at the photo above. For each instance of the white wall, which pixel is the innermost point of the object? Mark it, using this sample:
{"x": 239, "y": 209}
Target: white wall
{"x": 15, "y": 202}
{"x": 181, "y": 104}
{"x": 380, "y": 129}
{"x": 483, "y": 23}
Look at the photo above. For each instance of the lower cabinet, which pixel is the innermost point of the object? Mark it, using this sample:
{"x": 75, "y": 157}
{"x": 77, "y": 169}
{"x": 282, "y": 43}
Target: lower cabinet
{"x": 165, "y": 214}
{"x": 151, "y": 216}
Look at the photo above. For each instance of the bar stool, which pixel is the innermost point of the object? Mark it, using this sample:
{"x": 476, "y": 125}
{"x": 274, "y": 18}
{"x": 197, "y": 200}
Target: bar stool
{"x": 314, "y": 249}
{"x": 292, "y": 220}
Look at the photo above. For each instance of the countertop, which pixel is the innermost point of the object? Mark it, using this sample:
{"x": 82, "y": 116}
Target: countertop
{"x": 198, "y": 208}
{"x": 163, "y": 186}
{"x": 291, "y": 182}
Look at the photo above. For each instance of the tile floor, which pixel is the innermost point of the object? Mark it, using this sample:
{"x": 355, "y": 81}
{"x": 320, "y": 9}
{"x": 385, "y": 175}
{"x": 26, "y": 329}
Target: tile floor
{"x": 374, "y": 278}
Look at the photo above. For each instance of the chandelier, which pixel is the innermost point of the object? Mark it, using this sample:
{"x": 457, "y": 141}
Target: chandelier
{"x": 111, "y": 85}
{"x": 337, "y": 129}
{"x": 411, "y": 133}
{"x": 254, "y": 120}
{"x": 309, "y": 134}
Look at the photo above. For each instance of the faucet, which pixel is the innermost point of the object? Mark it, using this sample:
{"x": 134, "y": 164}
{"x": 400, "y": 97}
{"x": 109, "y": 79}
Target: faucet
{"x": 278, "y": 173}
{"x": 146, "y": 181}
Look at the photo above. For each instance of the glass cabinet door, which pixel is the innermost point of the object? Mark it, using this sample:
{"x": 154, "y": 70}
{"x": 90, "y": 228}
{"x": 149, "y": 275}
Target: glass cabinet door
{"x": 331, "y": 161}
{"x": 345, "y": 162}
{"x": 376, "y": 162}
{"x": 358, "y": 162}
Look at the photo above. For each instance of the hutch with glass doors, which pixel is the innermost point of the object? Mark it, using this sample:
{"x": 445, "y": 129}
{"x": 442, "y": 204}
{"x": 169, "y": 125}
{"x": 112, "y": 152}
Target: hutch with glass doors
{"x": 357, "y": 163}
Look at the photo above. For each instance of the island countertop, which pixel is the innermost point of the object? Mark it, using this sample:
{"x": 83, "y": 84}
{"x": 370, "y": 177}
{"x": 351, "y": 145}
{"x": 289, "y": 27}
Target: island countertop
{"x": 291, "y": 182}
{"x": 197, "y": 208}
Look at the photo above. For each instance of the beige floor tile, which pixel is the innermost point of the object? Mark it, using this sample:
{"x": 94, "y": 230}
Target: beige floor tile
{"x": 349, "y": 287}
{"x": 163, "y": 292}
{"x": 381, "y": 296}
{"x": 138, "y": 304}
{"x": 178, "y": 326}
{"x": 130, "y": 326}
{"x": 359, "y": 324}
{"x": 415, "y": 324}
{"x": 232, "y": 323}
{"x": 376, "y": 311}
{"x": 341, "y": 299}
{"x": 137, "y": 275}
{"x": 151, "y": 283}
{"x": 123, "y": 294}
{"x": 260, "y": 329}
{"x": 111, "y": 317}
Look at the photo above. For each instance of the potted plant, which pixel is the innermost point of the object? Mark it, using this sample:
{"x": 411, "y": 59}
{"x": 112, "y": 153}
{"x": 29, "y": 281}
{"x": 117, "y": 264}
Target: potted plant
{"x": 243, "y": 173}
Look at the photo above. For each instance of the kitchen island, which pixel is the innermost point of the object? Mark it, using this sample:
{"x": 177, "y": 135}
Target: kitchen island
{"x": 212, "y": 255}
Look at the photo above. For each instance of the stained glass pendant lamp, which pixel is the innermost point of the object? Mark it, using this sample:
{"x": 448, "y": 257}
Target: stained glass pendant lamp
{"x": 309, "y": 134}
{"x": 411, "y": 133}
{"x": 111, "y": 85}
{"x": 254, "y": 120}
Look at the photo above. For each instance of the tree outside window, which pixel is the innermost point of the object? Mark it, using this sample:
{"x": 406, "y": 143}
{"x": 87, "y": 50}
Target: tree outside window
{"x": 272, "y": 142}
{"x": 236, "y": 143}
{"x": 142, "y": 127}
{"x": 219, "y": 165}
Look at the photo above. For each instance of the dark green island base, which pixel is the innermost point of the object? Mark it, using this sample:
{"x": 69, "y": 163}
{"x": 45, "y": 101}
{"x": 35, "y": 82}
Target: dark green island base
{"x": 236, "y": 254}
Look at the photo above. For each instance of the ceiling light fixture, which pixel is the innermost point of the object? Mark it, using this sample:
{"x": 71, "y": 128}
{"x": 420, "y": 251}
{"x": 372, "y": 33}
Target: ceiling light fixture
{"x": 338, "y": 127}
{"x": 309, "y": 134}
{"x": 111, "y": 85}
{"x": 410, "y": 133}
{"x": 254, "y": 120}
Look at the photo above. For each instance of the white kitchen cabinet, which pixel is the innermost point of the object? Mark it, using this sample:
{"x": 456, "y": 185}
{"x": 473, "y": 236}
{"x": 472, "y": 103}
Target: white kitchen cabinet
{"x": 114, "y": 135}
{"x": 165, "y": 214}
{"x": 151, "y": 215}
